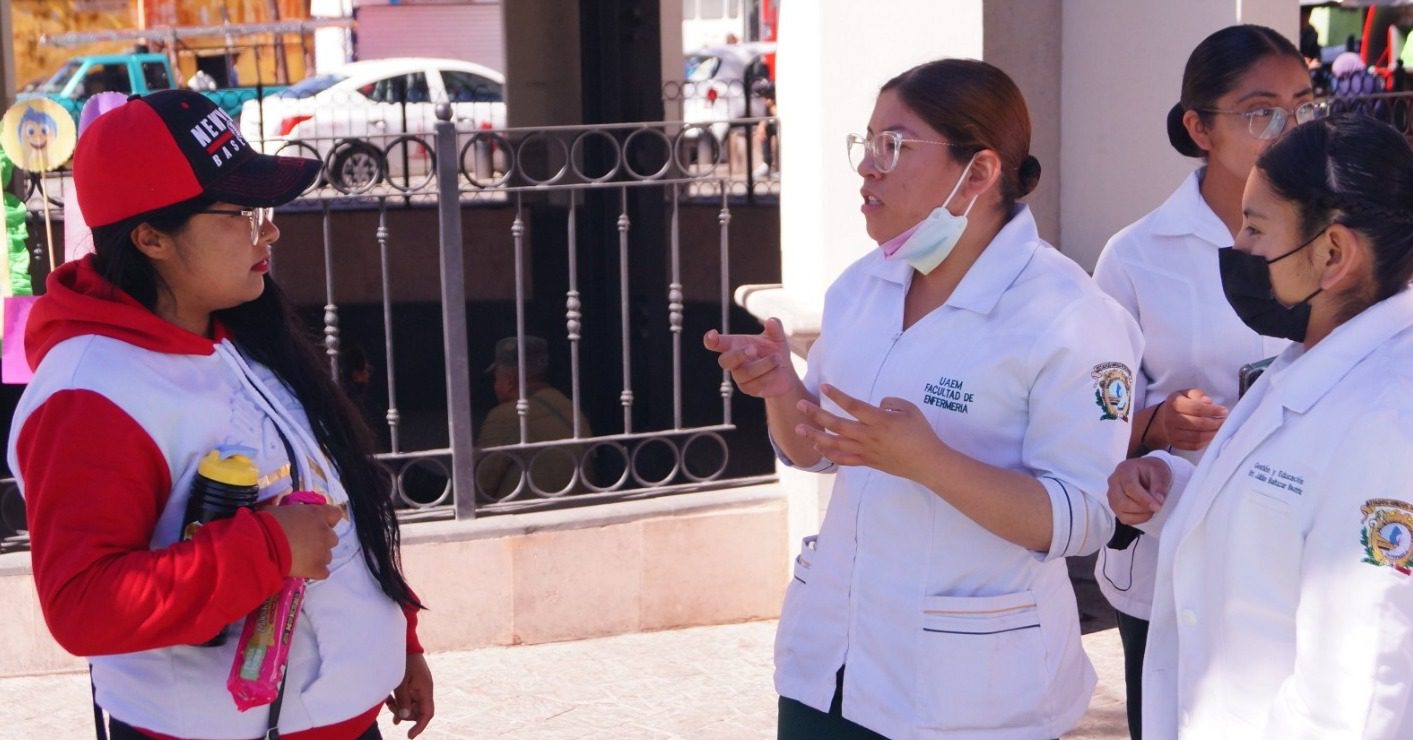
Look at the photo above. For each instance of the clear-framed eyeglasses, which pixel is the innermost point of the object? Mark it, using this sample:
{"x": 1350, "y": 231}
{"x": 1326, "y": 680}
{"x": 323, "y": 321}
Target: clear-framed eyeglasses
{"x": 1268, "y": 122}
{"x": 883, "y": 149}
{"x": 258, "y": 218}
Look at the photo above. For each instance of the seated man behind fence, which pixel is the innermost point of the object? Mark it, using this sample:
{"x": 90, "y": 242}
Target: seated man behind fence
{"x": 549, "y": 417}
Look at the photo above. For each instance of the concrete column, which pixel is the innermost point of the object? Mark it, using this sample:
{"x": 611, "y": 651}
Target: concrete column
{"x": 1019, "y": 37}
{"x": 543, "y": 85}
{"x": 7, "y": 56}
{"x": 1122, "y": 72}
{"x": 833, "y": 57}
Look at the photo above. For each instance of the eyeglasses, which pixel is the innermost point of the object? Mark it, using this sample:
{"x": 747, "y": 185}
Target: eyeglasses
{"x": 883, "y": 149}
{"x": 258, "y": 218}
{"x": 1268, "y": 122}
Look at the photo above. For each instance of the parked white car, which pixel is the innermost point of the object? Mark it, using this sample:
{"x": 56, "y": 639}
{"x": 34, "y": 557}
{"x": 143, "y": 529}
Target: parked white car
{"x": 718, "y": 84}
{"x": 357, "y": 118}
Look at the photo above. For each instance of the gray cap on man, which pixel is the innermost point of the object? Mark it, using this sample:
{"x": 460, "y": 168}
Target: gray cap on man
{"x": 536, "y": 355}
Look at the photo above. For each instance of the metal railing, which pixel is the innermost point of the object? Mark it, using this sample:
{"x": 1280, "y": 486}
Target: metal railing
{"x": 1393, "y": 108}
{"x": 571, "y": 162}
{"x": 584, "y": 170}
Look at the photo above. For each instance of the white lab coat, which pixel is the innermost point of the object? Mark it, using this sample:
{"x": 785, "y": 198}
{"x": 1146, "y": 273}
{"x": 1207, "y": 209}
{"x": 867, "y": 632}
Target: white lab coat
{"x": 947, "y": 629}
{"x": 1163, "y": 269}
{"x": 1271, "y": 617}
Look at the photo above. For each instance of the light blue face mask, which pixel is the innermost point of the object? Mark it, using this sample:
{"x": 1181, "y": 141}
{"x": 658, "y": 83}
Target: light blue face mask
{"x": 936, "y": 235}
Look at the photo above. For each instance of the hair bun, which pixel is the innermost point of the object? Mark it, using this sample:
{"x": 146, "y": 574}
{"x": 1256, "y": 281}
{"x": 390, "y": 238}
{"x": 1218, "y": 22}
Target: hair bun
{"x": 1178, "y": 135}
{"x": 1029, "y": 175}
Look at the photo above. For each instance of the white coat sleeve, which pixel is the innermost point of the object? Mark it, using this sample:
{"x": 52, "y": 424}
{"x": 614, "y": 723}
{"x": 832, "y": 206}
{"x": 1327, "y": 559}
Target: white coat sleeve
{"x": 1353, "y": 673}
{"x": 1073, "y": 441}
{"x": 1182, "y": 473}
{"x": 1114, "y": 277}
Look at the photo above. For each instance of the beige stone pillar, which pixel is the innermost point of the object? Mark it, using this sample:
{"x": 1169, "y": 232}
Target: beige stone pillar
{"x": 7, "y": 56}
{"x": 1122, "y": 72}
{"x": 542, "y": 63}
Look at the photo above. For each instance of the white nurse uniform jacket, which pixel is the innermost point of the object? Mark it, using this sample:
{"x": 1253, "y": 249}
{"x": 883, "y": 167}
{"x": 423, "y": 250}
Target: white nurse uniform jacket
{"x": 1163, "y": 269}
{"x": 1284, "y": 605}
{"x": 945, "y": 629}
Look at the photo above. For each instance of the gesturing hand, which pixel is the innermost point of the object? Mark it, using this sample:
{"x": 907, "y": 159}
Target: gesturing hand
{"x": 1138, "y": 488}
{"x": 893, "y": 437}
{"x": 1190, "y": 418}
{"x": 759, "y": 363}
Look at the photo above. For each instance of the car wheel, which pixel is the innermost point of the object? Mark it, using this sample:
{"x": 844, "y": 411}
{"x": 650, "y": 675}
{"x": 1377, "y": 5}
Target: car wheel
{"x": 355, "y": 166}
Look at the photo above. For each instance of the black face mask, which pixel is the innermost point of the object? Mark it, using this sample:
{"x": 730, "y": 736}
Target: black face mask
{"x": 1246, "y": 281}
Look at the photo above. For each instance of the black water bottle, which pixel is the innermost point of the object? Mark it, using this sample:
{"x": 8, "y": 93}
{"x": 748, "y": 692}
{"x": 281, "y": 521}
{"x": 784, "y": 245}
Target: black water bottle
{"x": 226, "y": 480}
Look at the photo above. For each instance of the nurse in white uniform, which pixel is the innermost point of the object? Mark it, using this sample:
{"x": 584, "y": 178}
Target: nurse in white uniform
{"x": 1284, "y": 606}
{"x": 972, "y": 388}
{"x": 1242, "y": 87}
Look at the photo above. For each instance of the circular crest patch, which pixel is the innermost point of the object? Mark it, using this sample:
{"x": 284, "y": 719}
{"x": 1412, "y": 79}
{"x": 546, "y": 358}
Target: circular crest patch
{"x": 1388, "y": 534}
{"x": 1113, "y": 390}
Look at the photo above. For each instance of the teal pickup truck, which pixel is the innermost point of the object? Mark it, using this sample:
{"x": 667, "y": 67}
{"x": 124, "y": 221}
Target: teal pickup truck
{"x": 135, "y": 73}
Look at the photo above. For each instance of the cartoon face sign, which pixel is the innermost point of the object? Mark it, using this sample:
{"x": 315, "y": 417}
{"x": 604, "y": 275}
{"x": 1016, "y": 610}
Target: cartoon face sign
{"x": 36, "y": 127}
{"x": 38, "y": 135}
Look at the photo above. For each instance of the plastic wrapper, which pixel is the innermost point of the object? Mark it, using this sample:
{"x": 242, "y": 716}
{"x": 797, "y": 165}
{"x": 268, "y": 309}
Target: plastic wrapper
{"x": 263, "y": 650}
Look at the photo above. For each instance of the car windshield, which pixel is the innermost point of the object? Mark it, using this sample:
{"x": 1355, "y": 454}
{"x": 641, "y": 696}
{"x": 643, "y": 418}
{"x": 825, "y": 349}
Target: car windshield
{"x": 312, "y": 86}
{"x": 61, "y": 78}
{"x": 702, "y": 67}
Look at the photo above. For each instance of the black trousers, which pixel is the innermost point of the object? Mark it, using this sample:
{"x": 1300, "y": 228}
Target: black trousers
{"x": 120, "y": 730}
{"x": 1133, "y": 632}
{"x": 802, "y": 722}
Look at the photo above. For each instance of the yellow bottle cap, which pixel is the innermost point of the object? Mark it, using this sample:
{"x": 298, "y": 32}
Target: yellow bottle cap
{"x": 233, "y": 469}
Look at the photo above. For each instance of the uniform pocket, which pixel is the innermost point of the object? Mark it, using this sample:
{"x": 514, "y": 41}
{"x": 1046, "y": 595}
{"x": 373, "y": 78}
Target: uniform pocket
{"x": 981, "y": 662}
{"x": 803, "y": 560}
{"x": 792, "y": 612}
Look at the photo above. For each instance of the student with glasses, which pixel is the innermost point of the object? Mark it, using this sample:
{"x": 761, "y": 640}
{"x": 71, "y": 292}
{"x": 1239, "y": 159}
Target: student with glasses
{"x": 1283, "y": 606}
{"x": 1242, "y": 88}
{"x": 168, "y": 344}
{"x": 972, "y": 389}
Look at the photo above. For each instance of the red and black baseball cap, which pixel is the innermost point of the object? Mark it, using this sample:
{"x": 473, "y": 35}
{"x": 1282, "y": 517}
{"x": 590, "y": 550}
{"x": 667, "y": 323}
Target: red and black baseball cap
{"x": 171, "y": 146}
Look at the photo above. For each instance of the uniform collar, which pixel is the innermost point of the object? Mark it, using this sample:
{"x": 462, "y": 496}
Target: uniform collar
{"x": 1313, "y": 373}
{"x": 993, "y": 272}
{"x": 1186, "y": 213}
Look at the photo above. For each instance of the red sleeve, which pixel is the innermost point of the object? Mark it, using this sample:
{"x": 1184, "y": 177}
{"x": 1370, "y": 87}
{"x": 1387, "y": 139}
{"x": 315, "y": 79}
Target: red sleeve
{"x": 95, "y": 484}
{"x": 413, "y": 644}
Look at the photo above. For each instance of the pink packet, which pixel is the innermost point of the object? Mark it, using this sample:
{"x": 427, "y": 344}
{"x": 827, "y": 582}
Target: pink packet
{"x": 263, "y": 649}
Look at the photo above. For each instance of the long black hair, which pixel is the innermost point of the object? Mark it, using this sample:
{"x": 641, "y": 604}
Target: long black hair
{"x": 1357, "y": 171}
{"x": 1212, "y": 71}
{"x": 268, "y": 331}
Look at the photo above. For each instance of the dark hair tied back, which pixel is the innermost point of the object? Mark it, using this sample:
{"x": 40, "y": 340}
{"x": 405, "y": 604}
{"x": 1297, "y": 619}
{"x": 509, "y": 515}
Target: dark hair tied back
{"x": 1029, "y": 175}
{"x": 1178, "y": 135}
{"x": 1213, "y": 70}
{"x": 976, "y": 106}
{"x": 1357, "y": 171}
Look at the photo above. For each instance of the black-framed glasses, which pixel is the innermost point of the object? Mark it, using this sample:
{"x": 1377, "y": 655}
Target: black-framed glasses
{"x": 883, "y": 148}
{"x": 258, "y": 218}
{"x": 1268, "y": 122}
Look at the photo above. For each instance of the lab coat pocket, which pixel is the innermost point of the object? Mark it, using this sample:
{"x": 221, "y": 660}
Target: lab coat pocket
{"x": 981, "y": 662}
{"x": 793, "y": 611}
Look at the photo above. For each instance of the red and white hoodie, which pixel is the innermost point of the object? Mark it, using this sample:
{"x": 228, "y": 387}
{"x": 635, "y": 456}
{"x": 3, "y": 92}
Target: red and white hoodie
{"x": 105, "y": 444}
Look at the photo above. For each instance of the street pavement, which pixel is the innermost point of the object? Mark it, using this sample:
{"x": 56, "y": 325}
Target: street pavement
{"x": 707, "y": 683}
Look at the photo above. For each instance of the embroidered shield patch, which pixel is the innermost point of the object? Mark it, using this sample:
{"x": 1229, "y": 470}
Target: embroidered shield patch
{"x": 1388, "y": 534}
{"x": 1113, "y": 390}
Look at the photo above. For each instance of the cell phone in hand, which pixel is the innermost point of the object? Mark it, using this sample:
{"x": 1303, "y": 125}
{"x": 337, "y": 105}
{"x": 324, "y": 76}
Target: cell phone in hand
{"x": 1247, "y": 375}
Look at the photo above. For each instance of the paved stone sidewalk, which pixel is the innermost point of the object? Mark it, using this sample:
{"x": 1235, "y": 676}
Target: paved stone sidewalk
{"x": 707, "y": 683}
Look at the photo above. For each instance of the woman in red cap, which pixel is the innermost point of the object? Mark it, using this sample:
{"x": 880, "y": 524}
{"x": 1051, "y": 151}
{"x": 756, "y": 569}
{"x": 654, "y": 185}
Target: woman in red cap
{"x": 171, "y": 341}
